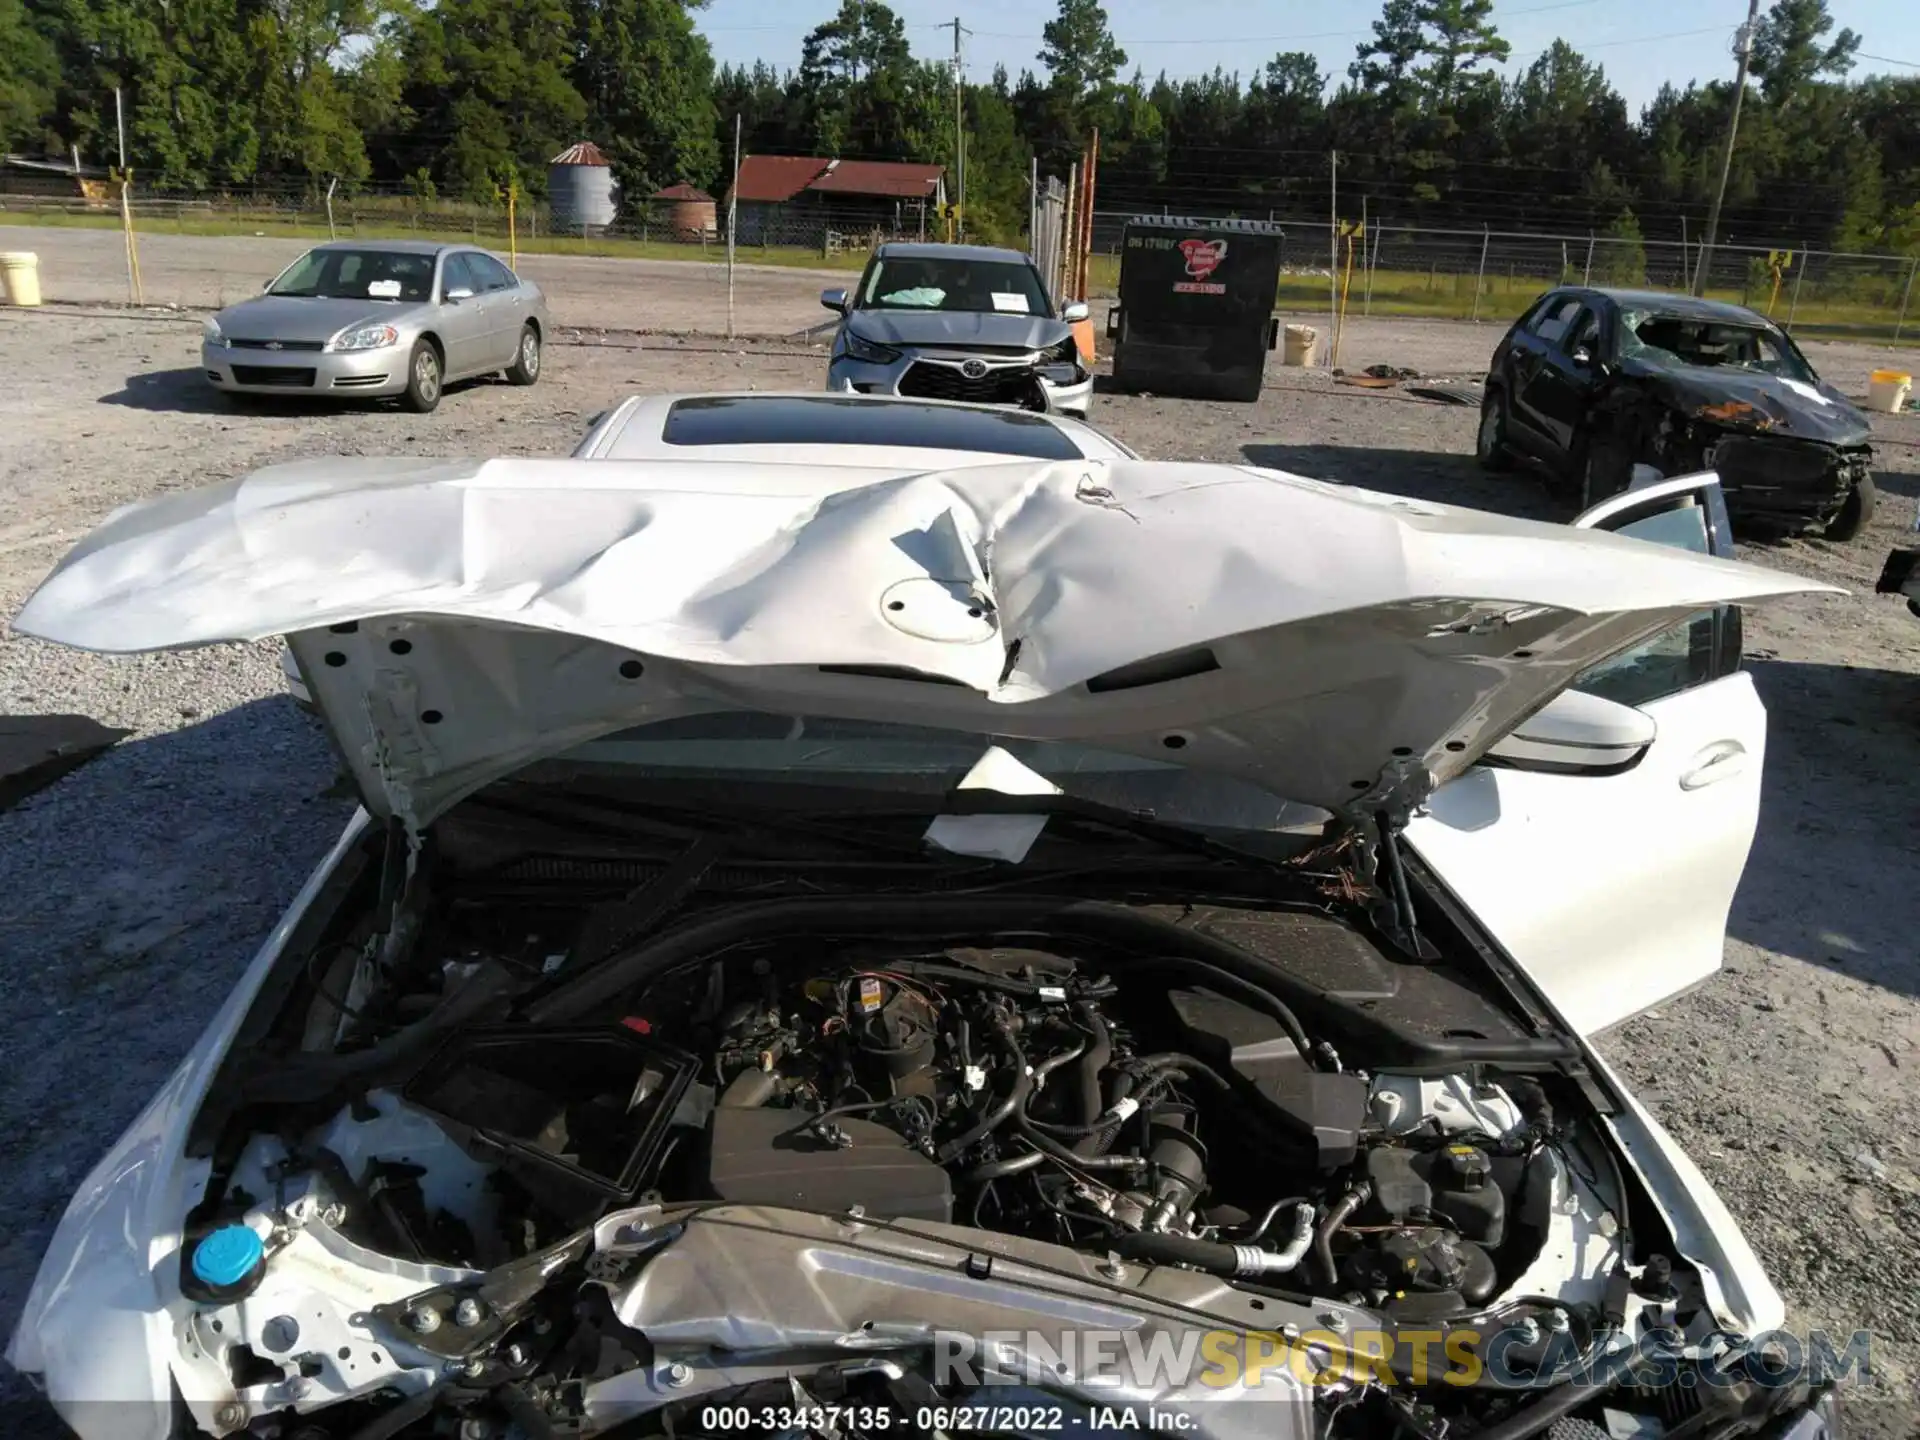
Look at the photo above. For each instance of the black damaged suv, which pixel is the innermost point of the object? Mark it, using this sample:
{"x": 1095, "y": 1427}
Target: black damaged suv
{"x": 1589, "y": 383}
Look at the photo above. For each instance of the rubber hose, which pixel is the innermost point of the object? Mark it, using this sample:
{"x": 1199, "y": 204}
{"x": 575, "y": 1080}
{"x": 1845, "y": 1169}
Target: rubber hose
{"x": 1540, "y": 1415}
{"x": 1009, "y": 1106}
{"x": 1208, "y": 1255}
{"x": 1336, "y": 1217}
{"x": 1053, "y": 1062}
{"x": 1001, "y": 1169}
{"x": 1172, "y": 1060}
{"x": 1043, "y": 1141}
{"x": 1098, "y": 1055}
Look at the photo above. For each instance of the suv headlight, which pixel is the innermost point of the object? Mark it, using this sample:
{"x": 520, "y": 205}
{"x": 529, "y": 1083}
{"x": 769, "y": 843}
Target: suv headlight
{"x": 858, "y": 349}
{"x": 367, "y": 337}
{"x": 211, "y": 333}
{"x": 1067, "y": 352}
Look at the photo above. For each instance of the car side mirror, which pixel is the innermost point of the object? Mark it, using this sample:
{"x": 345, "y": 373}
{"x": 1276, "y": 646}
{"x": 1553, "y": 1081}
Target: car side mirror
{"x": 1075, "y": 312}
{"x": 1577, "y": 733}
{"x": 834, "y": 300}
{"x": 456, "y": 295}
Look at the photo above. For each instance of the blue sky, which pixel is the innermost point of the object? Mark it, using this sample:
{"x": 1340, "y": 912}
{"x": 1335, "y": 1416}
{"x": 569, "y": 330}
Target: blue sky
{"x": 1642, "y": 43}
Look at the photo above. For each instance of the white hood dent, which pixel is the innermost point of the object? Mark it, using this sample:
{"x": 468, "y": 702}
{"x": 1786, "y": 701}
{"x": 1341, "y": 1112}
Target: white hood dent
{"x": 457, "y": 620}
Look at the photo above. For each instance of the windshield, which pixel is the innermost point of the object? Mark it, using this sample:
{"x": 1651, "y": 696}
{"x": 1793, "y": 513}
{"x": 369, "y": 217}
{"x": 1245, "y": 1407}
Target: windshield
{"x": 917, "y": 765}
{"x": 1690, "y": 340}
{"x": 952, "y": 282}
{"x": 357, "y": 275}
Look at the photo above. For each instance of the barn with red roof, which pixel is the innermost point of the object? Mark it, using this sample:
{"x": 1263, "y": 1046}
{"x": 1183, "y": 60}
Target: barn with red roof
{"x": 796, "y": 199}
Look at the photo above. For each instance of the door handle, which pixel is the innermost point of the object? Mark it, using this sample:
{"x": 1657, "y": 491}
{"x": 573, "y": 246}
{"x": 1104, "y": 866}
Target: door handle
{"x": 1722, "y": 760}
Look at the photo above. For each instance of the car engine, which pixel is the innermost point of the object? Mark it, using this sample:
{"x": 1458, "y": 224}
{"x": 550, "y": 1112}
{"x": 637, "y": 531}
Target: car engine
{"x": 466, "y": 1161}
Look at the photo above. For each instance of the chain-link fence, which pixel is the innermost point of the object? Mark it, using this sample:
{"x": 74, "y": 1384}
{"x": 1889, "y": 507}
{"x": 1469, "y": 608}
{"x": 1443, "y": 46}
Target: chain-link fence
{"x": 667, "y": 229}
{"x": 1387, "y": 268}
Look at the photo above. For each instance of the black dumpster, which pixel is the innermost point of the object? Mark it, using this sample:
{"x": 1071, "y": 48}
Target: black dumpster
{"x": 1195, "y": 317}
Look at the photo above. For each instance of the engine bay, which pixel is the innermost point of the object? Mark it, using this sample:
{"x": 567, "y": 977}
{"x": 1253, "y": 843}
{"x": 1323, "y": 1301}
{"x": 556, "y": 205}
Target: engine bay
{"x": 459, "y": 1134}
{"x": 1009, "y": 1090}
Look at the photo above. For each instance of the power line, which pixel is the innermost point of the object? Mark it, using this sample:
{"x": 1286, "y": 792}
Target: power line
{"x": 1126, "y": 42}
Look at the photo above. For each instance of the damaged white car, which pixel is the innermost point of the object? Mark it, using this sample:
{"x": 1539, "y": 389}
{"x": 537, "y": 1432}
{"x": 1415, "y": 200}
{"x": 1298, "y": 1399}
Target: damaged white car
{"x": 1053, "y": 945}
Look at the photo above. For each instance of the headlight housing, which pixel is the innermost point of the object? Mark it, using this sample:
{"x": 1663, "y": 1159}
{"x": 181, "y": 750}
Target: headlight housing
{"x": 211, "y": 333}
{"x": 365, "y": 337}
{"x": 867, "y": 350}
{"x": 1067, "y": 352}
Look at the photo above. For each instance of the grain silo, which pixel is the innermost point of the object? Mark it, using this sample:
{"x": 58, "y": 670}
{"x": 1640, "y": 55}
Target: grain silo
{"x": 581, "y": 191}
{"x": 686, "y": 211}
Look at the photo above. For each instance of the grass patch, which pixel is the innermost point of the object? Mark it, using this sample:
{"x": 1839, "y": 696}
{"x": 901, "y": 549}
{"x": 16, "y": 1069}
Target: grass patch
{"x": 279, "y": 227}
{"x": 1408, "y": 294}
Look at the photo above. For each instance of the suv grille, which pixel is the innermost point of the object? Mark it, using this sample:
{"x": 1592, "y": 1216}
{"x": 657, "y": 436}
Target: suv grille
{"x": 1012, "y": 385}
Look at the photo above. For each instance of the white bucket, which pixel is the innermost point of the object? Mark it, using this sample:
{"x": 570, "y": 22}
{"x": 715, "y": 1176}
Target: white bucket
{"x": 20, "y": 277}
{"x": 1299, "y": 345}
{"x": 1887, "y": 391}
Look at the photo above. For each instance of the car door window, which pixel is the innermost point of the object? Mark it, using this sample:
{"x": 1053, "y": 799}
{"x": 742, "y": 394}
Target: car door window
{"x": 491, "y": 274}
{"x": 1585, "y": 333}
{"x": 456, "y": 275}
{"x": 1555, "y": 320}
{"x": 1693, "y": 652}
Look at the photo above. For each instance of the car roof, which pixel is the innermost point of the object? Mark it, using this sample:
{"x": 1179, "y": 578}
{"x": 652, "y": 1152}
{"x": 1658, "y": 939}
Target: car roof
{"x": 928, "y": 250}
{"x": 1691, "y": 307}
{"x": 870, "y": 431}
{"x": 399, "y": 247}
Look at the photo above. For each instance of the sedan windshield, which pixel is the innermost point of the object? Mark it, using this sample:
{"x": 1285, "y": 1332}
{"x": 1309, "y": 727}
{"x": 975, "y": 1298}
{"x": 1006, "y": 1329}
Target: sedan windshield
{"x": 916, "y": 765}
{"x": 945, "y": 282}
{"x": 1714, "y": 343}
{"x": 357, "y": 275}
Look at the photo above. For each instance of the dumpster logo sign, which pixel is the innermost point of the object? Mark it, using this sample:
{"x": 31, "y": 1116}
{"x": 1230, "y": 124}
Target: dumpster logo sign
{"x": 1203, "y": 258}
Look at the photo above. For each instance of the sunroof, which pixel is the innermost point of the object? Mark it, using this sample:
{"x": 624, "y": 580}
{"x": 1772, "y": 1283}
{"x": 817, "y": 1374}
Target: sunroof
{"x": 852, "y": 420}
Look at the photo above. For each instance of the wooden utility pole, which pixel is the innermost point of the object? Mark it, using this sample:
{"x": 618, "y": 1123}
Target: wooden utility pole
{"x": 1743, "y": 47}
{"x": 136, "y": 292}
{"x": 959, "y": 133}
{"x": 733, "y": 221}
{"x": 1333, "y": 253}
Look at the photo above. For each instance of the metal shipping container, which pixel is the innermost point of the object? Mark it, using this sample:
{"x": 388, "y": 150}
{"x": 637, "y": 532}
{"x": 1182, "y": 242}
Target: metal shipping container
{"x": 1195, "y": 317}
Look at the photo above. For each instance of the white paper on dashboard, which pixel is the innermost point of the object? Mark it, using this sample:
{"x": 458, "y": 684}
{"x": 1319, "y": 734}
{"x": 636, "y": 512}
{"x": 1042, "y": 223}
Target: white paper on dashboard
{"x": 994, "y": 837}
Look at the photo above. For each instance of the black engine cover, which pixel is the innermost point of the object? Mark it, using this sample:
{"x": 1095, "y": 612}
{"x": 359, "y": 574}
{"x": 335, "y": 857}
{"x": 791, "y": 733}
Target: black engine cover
{"x": 767, "y": 1157}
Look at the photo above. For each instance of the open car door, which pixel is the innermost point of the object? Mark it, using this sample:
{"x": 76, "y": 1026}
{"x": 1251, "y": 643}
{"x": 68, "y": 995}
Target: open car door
{"x": 1606, "y": 864}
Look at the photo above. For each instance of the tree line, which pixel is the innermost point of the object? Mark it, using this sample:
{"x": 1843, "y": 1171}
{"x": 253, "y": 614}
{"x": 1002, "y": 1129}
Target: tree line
{"x": 464, "y": 97}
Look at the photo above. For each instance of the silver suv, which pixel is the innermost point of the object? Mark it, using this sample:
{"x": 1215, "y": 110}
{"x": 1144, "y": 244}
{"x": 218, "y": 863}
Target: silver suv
{"x": 957, "y": 322}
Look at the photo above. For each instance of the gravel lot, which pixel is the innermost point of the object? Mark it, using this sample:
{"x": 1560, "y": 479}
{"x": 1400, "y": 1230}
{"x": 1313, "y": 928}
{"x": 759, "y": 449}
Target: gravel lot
{"x": 133, "y": 892}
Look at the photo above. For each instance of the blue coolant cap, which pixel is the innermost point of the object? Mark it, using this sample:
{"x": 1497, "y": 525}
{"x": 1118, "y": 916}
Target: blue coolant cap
{"x": 227, "y": 1256}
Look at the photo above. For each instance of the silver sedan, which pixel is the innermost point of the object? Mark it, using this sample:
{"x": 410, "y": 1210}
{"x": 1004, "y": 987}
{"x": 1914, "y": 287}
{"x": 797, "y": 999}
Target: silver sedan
{"x": 379, "y": 318}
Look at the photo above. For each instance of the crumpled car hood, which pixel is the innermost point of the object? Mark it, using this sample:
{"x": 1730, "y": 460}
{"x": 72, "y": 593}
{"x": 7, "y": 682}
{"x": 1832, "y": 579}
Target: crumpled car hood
{"x": 957, "y": 328}
{"x": 457, "y": 620}
{"x": 1748, "y": 400}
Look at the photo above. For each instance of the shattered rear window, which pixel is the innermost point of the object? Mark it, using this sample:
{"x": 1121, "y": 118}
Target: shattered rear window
{"x": 1688, "y": 340}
